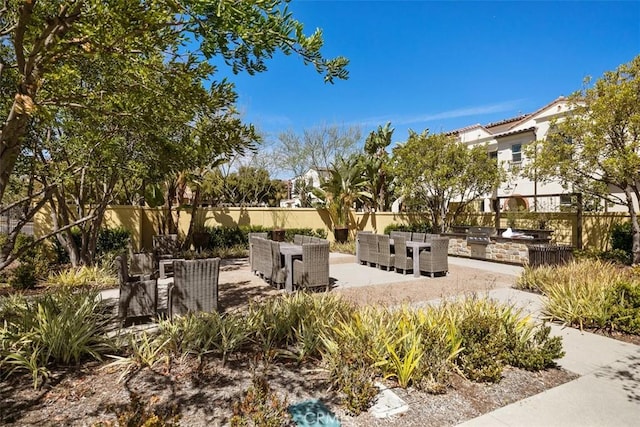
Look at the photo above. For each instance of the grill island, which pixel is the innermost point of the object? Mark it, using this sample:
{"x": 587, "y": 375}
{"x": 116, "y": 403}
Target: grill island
{"x": 487, "y": 243}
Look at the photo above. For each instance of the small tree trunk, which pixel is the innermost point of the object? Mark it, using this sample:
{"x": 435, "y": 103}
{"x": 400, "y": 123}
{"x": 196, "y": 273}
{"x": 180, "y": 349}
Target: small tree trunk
{"x": 192, "y": 222}
{"x": 635, "y": 231}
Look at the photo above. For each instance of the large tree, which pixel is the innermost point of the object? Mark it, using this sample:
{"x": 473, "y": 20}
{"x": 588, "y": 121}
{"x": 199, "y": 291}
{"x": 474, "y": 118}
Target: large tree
{"x": 42, "y": 39}
{"x": 376, "y": 162}
{"x": 317, "y": 147}
{"x": 595, "y": 149}
{"x": 48, "y": 49}
{"x": 444, "y": 174}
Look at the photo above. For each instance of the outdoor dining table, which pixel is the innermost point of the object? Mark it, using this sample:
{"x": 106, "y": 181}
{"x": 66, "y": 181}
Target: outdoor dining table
{"x": 290, "y": 252}
{"x": 416, "y": 247}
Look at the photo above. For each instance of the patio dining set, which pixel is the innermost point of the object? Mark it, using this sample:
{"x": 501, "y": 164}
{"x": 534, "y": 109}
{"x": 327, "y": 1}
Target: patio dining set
{"x": 192, "y": 287}
{"x": 403, "y": 251}
{"x": 303, "y": 264}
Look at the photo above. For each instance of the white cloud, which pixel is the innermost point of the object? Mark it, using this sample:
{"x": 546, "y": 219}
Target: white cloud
{"x": 451, "y": 114}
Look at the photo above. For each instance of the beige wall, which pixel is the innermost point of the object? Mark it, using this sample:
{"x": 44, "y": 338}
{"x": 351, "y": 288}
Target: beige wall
{"x": 144, "y": 222}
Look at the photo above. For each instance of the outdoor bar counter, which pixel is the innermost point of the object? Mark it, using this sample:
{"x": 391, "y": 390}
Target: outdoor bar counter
{"x": 488, "y": 244}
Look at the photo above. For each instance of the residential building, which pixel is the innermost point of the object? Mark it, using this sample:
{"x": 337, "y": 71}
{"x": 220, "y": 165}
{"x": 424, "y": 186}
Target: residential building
{"x": 506, "y": 141}
{"x": 313, "y": 178}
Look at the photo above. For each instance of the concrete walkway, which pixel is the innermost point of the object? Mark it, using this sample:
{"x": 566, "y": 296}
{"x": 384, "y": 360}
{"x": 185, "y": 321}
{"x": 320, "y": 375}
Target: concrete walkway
{"x": 607, "y": 393}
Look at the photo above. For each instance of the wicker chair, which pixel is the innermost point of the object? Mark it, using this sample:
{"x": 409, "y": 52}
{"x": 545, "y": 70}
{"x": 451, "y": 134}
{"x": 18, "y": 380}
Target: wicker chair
{"x": 403, "y": 234}
{"x": 138, "y": 294}
{"x": 435, "y": 260}
{"x": 278, "y": 272}
{"x": 252, "y": 236}
{"x": 312, "y": 272}
{"x": 144, "y": 264}
{"x": 402, "y": 261}
{"x": 372, "y": 248}
{"x": 418, "y": 237}
{"x": 298, "y": 239}
{"x": 195, "y": 286}
{"x": 363, "y": 246}
{"x": 166, "y": 246}
{"x": 263, "y": 259}
{"x": 385, "y": 258}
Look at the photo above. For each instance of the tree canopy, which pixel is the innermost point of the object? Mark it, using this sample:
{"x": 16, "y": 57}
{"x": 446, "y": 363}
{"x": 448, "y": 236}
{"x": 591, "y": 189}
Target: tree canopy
{"x": 101, "y": 100}
{"x": 438, "y": 170}
{"x": 595, "y": 149}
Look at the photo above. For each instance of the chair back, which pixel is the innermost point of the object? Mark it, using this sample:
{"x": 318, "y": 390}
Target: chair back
{"x": 315, "y": 262}
{"x": 363, "y": 246}
{"x": 384, "y": 244}
{"x": 143, "y": 263}
{"x": 252, "y": 238}
{"x": 395, "y": 234}
{"x": 195, "y": 286}
{"x": 298, "y": 239}
{"x": 277, "y": 274}
{"x": 121, "y": 269}
{"x": 264, "y": 257}
{"x": 166, "y": 244}
{"x": 418, "y": 237}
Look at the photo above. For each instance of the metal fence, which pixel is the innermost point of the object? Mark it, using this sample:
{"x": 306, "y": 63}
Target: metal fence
{"x": 549, "y": 254}
{"x": 10, "y": 219}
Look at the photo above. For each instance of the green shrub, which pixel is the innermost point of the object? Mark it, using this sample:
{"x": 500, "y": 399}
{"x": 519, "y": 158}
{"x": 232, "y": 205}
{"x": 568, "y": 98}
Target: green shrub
{"x": 534, "y": 352}
{"x": 614, "y": 255}
{"x": 484, "y": 344}
{"x": 418, "y": 227}
{"x": 62, "y": 327}
{"x": 23, "y": 277}
{"x": 260, "y": 406}
{"x": 109, "y": 241}
{"x": 318, "y": 232}
{"x": 622, "y": 237}
{"x": 34, "y": 262}
{"x": 624, "y": 298}
{"x": 225, "y": 237}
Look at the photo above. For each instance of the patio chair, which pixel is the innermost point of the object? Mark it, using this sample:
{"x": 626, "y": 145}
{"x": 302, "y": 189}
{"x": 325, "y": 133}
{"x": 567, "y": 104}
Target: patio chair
{"x": 363, "y": 246}
{"x": 312, "y": 272}
{"x": 262, "y": 258}
{"x": 278, "y": 272}
{"x": 384, "y": 257}
{"x": 143, "y": 264}
{"x": 251, "y": 237}
{"x": 435, "y": 259}
{"x": 372, "y": 249}
{"x": 166, "y": 246}
{"x": 418, "y": 237}
{"x": 298, "y": 239}
{"x": 138, "y": 294}
{"x": 402, "y": 261}
{"x": 122, "y": 269}
{"x": 195, "y": 286}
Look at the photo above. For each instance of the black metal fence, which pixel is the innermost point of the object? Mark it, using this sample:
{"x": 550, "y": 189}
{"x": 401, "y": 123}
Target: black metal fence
{"x": 549, "y": 254}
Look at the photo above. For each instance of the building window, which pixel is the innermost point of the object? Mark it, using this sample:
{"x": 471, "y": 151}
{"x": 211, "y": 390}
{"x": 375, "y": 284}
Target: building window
{"x": 493, "y": 155}
{"x": 516, "y": 153}
{"x": 566, "y": 200}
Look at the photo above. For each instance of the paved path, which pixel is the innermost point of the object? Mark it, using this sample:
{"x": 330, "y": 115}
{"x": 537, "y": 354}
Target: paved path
{"x": 607, "y": 393}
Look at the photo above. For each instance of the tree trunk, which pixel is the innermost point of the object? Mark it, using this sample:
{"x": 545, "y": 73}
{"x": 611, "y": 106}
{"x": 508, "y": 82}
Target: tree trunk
{"x": 11, "y": 137}
{"x": 192, "y": 222}
{"x": 635, "y": 230}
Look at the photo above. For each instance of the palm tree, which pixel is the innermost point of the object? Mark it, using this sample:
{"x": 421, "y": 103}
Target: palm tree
{"x": 345, "y": 186}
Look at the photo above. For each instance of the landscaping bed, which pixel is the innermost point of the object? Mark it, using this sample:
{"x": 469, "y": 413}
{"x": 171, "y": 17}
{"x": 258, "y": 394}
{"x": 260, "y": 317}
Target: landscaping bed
{"x": 206, "y": 393}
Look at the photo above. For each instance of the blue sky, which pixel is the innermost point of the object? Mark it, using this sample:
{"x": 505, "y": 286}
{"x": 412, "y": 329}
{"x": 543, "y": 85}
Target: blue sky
{"x": 439, "y": 64}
